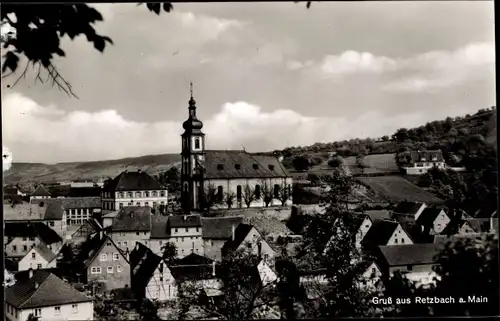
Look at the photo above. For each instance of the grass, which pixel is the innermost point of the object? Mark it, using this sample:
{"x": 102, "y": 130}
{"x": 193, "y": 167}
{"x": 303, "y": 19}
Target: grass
{"x": 375, "y": 164}
{"x": 397, "y": 189}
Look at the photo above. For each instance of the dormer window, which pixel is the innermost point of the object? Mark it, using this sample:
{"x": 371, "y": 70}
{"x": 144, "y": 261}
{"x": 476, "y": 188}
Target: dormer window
{"x": 237, "y": 166}
{"x": 220, "y": 167}
{"x": 271, "y": 167}
{"x": 255, "y": 166}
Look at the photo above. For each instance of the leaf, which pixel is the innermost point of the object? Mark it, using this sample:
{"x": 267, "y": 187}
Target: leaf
{"x": 11, "y": 62}
{"x": 167, "y": 7}
{"x": 99, "y": 43}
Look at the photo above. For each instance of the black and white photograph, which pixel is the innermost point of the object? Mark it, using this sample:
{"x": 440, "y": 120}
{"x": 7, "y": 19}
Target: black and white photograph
{"x": 249, "y": 160}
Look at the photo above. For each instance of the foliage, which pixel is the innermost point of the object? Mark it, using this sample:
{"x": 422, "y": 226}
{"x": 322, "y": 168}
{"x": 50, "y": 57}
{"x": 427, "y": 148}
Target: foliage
{"x": 284, "y": 193}
{"x": 335, "y": 162}
{"x": 39, "y": 29}
{"x": 31, "y": 317}
{"x": 171, "y": 179}
{"x": 209, "y": 197}
{"x": 248, "y": 195}
{"x": 229, "y": 198}
{"x": 169, "y": 253}
{"x": 302, "y": 163}
{"x": 148, "y": 310}
{"x": 266, "y": 192}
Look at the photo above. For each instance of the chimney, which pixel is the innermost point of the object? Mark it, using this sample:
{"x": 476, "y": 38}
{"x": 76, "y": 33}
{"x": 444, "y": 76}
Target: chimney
{"x": 232, "y": 232}
{"x": 139, "y": 171}
{"x": 101, "y": 235}
{"x": 213, "y": 268}
{"x": 185, "y": 217}
{"x": 36, "y": 285}
{"x": 30, "y": 273}
{"x": 137, "y": 246}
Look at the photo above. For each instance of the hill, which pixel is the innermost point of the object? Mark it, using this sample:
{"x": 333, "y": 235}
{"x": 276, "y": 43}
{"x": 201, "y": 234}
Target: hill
{"x": 36, "y": 172}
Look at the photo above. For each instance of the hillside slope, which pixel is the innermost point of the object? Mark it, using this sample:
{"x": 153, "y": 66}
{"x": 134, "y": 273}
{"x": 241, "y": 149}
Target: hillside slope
{"x": 25, "y": 172}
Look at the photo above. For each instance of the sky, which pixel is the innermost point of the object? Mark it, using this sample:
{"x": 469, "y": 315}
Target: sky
{"x": 266, "y": 76}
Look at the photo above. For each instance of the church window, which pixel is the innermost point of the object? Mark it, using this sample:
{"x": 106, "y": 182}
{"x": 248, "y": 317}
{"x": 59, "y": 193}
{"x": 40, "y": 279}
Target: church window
{"x": 271, "y": 167}
{"x": 255, "y": 166}
{"x": 196, "y": 143}
{"x": 220, "y": 193}
{"x": 237, "y": 166}
{"x": 276, "y": 191}
{"x": 220, "y": 167}
{"x": 238, "y": 192}
{"x": 257, "y": 191}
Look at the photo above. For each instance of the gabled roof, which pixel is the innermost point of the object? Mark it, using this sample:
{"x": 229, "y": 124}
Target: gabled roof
{"x": 143, "y": 264}
{"x": 180, "y": 221}
{"x": 46, "y": 209}
{"x": 419, "y": 156}
{"x": 23, "y": 212}
{"x": 44, "y": 252}
{"x": 70, "y": 191}
{"x": 267, "y": 225}
{"x": 159, "y": 227}
{"x": 194, "y": 259}
{"x": 40, "y": 191}
{"x": 59, "y": 190}
{"x": 132, "y": 181}
{"x": 240, "y": 233}
{"x": 23, "y": 276}
{"x": 91, "y": 249}
{"x": 408, "y": 207}
{"x": 240, "y": 164}
{"x": 416, "y": 232}
{"x": 380, "y": 232}
{"x": 40, "y": 230}
{"x": 219, "y": 227}
{"x": 479, "y": 225}
{"x": 195, "y": 272}
{"x": 43, "y": 289}
{"x": 399, "y": 255}
{"x": 133, "y": 219}
{"x": 378, "y": 214}
{"x": 428, "y": 216}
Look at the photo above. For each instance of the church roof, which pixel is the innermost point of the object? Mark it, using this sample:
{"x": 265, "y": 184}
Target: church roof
{"x": 226, "y": 164}
{"x": 132, "y": 181}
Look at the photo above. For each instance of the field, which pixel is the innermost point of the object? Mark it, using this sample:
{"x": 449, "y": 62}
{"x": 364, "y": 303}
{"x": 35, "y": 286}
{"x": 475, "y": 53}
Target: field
{"x": 397, "y": 189}
{"x": 24, "y": 172}
{"x": 375, "y": 164}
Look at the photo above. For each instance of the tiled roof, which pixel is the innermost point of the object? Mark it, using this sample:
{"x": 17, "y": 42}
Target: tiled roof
{"x": 267, "y": 225}
{"x": 53, "y": 208}
{"x": 219, "y": 227}
{"x": 133, "y": 218}
{"x": 380, "y": 232}
{"x": 194, "y": 259}
{"x": 59, "y": 190}
{"x": 40, "y": 191}
{"x": 184, "y": 221}
{"x": 23, "y": 276}
{"x": 378, "y": 214}
{"x": 143, "y": 263}
{"x": 240, "y": 164}
{"x": 408, "y": 208}
{"x": 195, "y": 272}
{"x": 240, "y": 233}
{"x": 69, "y": 191}
{"x": 92, "y": 248}
{"x": 40, "y": 230}
{"x": 419, "y": 156}
{"x": 428, "y": 216}
{"x": 133, "y": 181}
{"x": 71, "y": 202}
{"x": 43, "y": 289}
{"x": 398, "y": 255}
{"x": 159, "y": 227}
{"x": 45, "y": 252}
{"x": 23, "y": 212}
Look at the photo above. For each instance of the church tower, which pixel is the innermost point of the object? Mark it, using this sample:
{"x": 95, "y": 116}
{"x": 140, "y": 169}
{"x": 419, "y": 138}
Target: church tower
{"x": 193, "y": 156}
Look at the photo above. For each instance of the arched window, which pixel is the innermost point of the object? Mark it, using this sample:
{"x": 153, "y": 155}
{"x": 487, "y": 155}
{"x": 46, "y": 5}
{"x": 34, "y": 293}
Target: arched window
{"x": 238, "y": 192}
{"x": 257, "y": 191}
{"x": 220, "y": 193}
{"x": 197, "y": 143}
{"x": 276, "y": 191}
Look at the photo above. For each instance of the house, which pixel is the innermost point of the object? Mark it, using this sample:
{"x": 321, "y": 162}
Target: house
{"x": 266, "y": 272}
{"x": 77, "y": 209}
{"x": 414, "y": 261}
{"x": 40, "y": 193}
{"x": 186, "y": 234}
{"x": 133, "y": 189}
{"x": 21, "y": 237}
{"x": 103, "y": 265}
{"x": 235, "y": 177}
{"x": 422, "y": 161}
{"x": 491, "y": 213}
{"x": 67, "y": 190}
{"x": 372, "y": 275}
{"x": 270, "y": 226}
{"x": 433, "y": 219}
{"x": 85, "y": 231}
{"x": 246, "y": 238}
{"x": 215, "y": 232}
{"x": 12, "y": 190}
{"x": 48, "y": 298}
{"x": 39, "y": 257}
{"x": 362, "y": 225}
{"x": 131, "y": 224}
{"x": 151, "y": 277}
{"x": 107, "y": 218}
{"x": 409, "y": 208}
{"x": 44, "y": 211}
{"x": 383, "y": 232}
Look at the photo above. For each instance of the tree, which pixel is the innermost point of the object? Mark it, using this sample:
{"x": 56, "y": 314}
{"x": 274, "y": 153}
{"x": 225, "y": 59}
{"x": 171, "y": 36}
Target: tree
{"x": 31, "y": 317}
{"x": 385, "y": 138}
{"x": 148, "y": 310}
{"x": 267, "y": 192}
{"x": 209, "y": 197}
{"x": 229, "y": 198}
{"x": 38, "y": 30}
{"x": 403, "y": 159}
{"x": 302, "y": 163}
{"x": 360, "y": 161}
{"x": 284, "y": 193}
{"x": 248, "y": 195}
{"x": 169, "y": 253}
{"x": 401, "y": 135}
{"x": 171, "y": 179}
{"x": 335, "y": 162}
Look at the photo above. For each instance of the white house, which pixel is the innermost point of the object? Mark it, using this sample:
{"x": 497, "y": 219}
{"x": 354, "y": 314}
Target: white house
{"x": 20, "y": 238}
{"x": 47, "y": 297}
{"x": 384, "y": 232}
{"x": 433, "y": 219}
{"x": 40, "y": 193}
{"x": 228, "y": 178}
{"x": 246, "y": 238}
{"x": 422, "y": 161}
{"x": 39, "y": 257}
{"x": 413, "y": 209}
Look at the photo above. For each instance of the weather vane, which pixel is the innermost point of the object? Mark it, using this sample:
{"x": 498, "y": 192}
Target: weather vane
{"x": 191, "y": 88}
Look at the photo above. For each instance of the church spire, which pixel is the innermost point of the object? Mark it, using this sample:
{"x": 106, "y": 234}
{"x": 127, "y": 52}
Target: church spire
{"x": 191, "y": 88}
{"x": 192, "y": 124}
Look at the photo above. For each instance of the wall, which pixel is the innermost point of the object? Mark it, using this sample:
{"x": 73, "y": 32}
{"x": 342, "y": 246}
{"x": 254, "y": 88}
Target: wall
{"x": 231, "y": 185}
{"x": 281, "y": 213}
{"x": 112, "y": 200}
{"x": 267, "y": 275}
{"x": 372, "y": 275}
{"x": 399, "y": 237}
{"x": 85, "y": 312}
{"x": 466, "y": 229}
{"x": 162, "y": 286}
{"x": 126, "y": 240}
{"x": 441, "y": 222}
{"x": 253, "y": 237}
{"x": 187, "y": 240}
{"x": 363, "y": 229}
{"x": 212, "y": 248}
{"x": 28, "y": 262}
{"x": 78, "y": 216}
{"x": 115, "y": 279}
{"x": 19, "y": 246}
{"x": 423, "y": 169}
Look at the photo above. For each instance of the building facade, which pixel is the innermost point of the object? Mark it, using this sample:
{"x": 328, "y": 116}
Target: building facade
{"x": 39, "y": 257}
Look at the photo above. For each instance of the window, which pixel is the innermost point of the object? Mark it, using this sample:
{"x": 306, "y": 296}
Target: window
{"x": 110, "y": 269}
{"x": 57, "y": 310}
{"x": 74, "y": 308}
{"x": 271, "y": 167}
{"x": 130, "y": 194}
{"x": 176, "y": 230}
{"x": 238, "y": 192}
{"x": 197, "y": 229}
{"x": 154, "y": 204}
{"x": 155, "y": 194}
{"x": 146, "y": 194}
{"x": 119, "y": 269}
{"x": 439, "y": 226}
{"x": 257, "y": 191}
{"x": 25, "y": 248}
{"x": 38, "y": 266}
{"x": 124, "y": 243}
{"x": 395, "y": 241}
{"x": 146, "y": 203}
{"x": 33, "y": 256}
{"x": 255, "y": 166}
{"x": 120, "y": 205}
{"x": 137, "y": 194}
{"x": 367, "y": 225}
{"x": 237, "y": 166}
{"x": 187, "y": 230}
{"x": 220, "y": 193}
{"x": 136, "y": 233}
{"x": 162, "y": 194}
{"x": 182, "y": 251}
{"x": 138, "y": 203}
{"x": 104, "y": 257}
{"x": 220, "y": 167}
{"x": 14, "y": 248}
{"x": 409, "y": 267}
{"x": 374, "y": 270}
{"x": 276, "y": 191}
{"x": 108, "y": 243}
{"x": 51, "y": 224}
{"x": 212, "y": 243}
{"x": 145, "y": 233}
{"x": 197, "y": 143}
{"x": 25, "y": 239}
{"x": 161, "y": 242}
{"x": 402, "y": 241}
{"x": 182, "y": 239}
{"x": 116, "y": 256}
{"x": 119, "y": 243}
{"x": 38, "y": 312}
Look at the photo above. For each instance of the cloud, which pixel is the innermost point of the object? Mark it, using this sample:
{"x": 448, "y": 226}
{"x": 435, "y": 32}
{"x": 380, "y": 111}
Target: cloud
{"x": 355, "y": 62}
{"x": 6, "y": 158}
{"x": 48, "y": 134}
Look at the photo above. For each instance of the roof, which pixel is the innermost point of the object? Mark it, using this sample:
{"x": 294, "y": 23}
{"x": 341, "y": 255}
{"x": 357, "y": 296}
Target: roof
{"x": 37, "y": 229}
{"x": 184, "y": 221}
{"x": 53, "y": 209}
{"x": 380, "y": 232}
{"x": 43, "y": 289}
{"x": 10, "y": 190}
{"x": 427, "y": 156}
{"x": 445, "y": 239}
{"x": 268, "y": 225}
{"x": 408, "y": 207}
{"x": 132, "y": 181}
{"x": 45, "y": 252}
{"x": 194, "y": 259}
{"x": 479, "y": 225}
{"x": 72, "y": 202}
{"x": 24, "y": 275}
{"x": 398, "y": 255}
{"x": 23, "y": 212}
{"x": 219, "y": 227}
{"x": 416, "y": 233}
{"x": 428, "y": 216}
{"x": 59, "y": 190}
{"x": 240, "y": 233}
{"x": 40, "y": 191}
{"x": 159, "y": 227}
{"x": 486, "y": 212}
{"x": 195, "y": 272}
{"x": 91, "y": 249}
{"x": 378, "y": 214}
{"x": 223, "y": 164}
{"x": 133, "y": 218}
{"x": 143, "y": 263}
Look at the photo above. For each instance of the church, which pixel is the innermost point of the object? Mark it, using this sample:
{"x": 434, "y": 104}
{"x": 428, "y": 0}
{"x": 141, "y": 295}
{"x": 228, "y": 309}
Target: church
{"x": 228, "y": 178}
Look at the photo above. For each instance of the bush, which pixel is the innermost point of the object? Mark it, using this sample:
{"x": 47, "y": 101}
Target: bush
{"x": 335, "y": 162}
